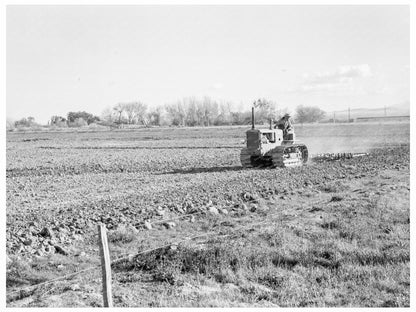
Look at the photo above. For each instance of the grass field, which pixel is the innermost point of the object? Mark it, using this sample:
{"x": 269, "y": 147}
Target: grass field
{"x": 327, "y": 234}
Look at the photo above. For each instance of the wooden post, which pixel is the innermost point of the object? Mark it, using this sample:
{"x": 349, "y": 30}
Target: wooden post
{"x": 105, "y": 265}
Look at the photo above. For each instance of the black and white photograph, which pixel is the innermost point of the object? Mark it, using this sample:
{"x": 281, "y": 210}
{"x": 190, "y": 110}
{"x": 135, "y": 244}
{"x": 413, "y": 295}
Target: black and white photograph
{"x": 225, "y": 155}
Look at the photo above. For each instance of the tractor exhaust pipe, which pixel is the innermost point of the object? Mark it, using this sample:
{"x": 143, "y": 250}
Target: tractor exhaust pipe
{"x": 252, "y": 117}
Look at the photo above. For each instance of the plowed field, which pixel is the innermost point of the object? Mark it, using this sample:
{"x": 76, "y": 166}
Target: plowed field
{"x": 332, "y": 233}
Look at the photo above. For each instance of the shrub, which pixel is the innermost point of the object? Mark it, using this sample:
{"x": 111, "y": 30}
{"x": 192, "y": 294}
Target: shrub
{"x": 20, "y": 273}
{"x": 123, "y": 234}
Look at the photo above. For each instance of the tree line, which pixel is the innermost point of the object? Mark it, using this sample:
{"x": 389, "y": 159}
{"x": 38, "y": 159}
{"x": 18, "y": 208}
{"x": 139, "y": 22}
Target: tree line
{"x": 190, "y": 112}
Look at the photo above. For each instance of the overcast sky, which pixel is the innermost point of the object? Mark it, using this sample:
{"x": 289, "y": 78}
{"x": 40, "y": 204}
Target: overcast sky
{"x": 70, "y": 58}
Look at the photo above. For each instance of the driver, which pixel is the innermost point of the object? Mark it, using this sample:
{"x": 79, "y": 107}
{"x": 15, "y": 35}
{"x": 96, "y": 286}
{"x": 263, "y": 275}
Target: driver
{"x": 285, "y": 124}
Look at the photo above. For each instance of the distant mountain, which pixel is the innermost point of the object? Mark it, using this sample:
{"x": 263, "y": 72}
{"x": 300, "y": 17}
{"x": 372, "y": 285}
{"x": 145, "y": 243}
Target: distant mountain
{"x": 400, "y": 109}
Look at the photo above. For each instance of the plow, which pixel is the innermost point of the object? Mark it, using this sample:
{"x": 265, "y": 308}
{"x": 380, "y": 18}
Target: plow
{"x": 336, "y": 156}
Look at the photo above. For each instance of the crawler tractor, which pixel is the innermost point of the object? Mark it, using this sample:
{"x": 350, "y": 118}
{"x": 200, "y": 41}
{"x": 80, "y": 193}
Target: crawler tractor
{"x": 270, "y": 147}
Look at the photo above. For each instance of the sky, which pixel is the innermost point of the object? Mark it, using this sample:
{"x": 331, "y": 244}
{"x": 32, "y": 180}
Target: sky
{"x": 88, "y": 58}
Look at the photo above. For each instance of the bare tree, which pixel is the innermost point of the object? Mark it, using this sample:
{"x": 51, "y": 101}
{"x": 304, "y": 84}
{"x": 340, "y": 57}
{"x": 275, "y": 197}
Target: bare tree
{"x": 210, "y": 110}
{"x": 177, "y": 113}
{"x": 9, "y": 124}
{"x": 266, "y": 110}
{"x": 191, "y": 107}
{"x": 224, "y": 116}
{"x": 133, "y": 111}
{"x": 109, "y": 115}
{"x": 119, "y": 108}
{"x": 155, "y": 116}
{"x": 309, "y": 114}
{"x": 129, "y": 110}
{"x": 200, "y": 112}
{"x": 139, "y": 110}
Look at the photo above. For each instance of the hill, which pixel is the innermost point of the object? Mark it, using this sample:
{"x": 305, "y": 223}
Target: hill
{"x": 400, "y": 109}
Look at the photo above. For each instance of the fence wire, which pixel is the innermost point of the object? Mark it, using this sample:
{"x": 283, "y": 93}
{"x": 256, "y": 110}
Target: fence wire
{"x": 127, "y": 257}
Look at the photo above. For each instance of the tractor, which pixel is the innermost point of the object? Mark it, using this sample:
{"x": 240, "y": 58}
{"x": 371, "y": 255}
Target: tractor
{"x": 271, "y": 148}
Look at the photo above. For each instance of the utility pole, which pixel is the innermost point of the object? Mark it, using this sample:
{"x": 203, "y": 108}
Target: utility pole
{"x": 349, "y": 115}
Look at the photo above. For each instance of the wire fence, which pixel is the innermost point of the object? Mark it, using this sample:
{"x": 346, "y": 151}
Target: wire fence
{"x": 26, "y": 291}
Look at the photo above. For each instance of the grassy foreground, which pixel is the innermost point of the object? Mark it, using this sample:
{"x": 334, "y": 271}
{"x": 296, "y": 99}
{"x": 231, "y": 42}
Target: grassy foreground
{"x": 353, "y": 257}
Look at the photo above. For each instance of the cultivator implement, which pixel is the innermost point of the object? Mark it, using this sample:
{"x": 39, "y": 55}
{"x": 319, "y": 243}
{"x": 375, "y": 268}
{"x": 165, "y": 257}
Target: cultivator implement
{"x": 336, "y": 156}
